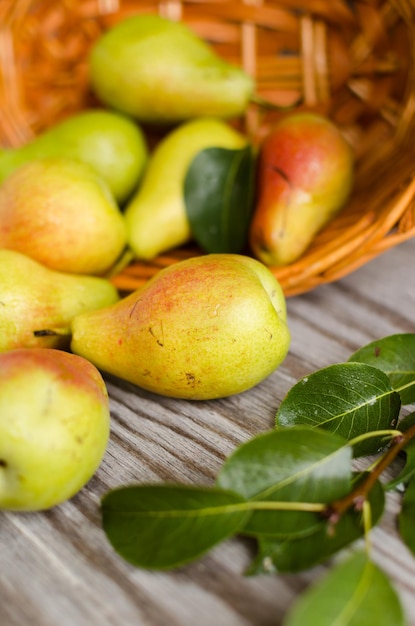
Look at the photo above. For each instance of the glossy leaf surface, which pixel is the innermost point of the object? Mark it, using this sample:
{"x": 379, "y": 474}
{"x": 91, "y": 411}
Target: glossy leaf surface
{"x": 354, "y": 593}
{"x": 163, "y": 526}
{"x": 349, "y": 399}
{"x": 296, "y": 555}
{"x": 218, "y": 194}
{"x": 294, "y": 465}
{"x": 394, "y": 355}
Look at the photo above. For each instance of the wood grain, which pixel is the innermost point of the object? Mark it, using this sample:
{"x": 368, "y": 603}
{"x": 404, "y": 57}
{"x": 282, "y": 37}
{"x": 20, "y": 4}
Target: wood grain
{"x": 57, "y": 566}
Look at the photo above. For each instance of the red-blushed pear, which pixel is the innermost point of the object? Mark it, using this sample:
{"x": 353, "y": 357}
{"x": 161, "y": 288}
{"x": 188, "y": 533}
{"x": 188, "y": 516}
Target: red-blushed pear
{"x": 207, "y": 327}
{"x": 60, "y": 212}
{"x": 54, "y": 427}
{"x": 37, "y": 304}
{"x": 305, "y": 175}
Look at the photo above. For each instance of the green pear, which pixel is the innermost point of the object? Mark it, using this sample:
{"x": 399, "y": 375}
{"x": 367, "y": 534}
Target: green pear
{"x": 37, "y": 304}
{"x": 156, "y": 215}
{"x": 305, "y": 175}
{"x": 54, "y": 427}
{"x": 61, "y": 213}
{"x": 160, "y": 71}
{"x": 111, "y": 143}
{"x": 207, "y": 327}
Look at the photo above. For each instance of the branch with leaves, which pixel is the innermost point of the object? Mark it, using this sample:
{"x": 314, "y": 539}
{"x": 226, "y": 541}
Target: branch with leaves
{"x": 294, "y": 491}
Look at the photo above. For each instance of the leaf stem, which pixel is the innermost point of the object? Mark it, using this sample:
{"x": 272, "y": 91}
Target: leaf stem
{"x": 359, "y": 495}
{"x": 372, "y": 434}
{"x": 313, "y": 507}
{"x": 367, "y": 524}
{"x": 406, "y": 386}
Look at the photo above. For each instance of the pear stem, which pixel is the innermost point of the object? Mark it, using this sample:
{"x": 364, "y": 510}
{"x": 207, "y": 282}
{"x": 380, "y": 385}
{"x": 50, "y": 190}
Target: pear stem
{"x": 271, "y": 106}
{"x": 124, "y": 260}
{"x": 359, "y": 495}
{"x": 52, "y": 332}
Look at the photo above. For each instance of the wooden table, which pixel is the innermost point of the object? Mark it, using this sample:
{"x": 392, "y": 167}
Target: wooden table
{"x": 57, "y": 568}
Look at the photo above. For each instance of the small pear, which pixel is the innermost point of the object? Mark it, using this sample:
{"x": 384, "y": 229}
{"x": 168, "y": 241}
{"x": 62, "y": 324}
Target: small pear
{"x": 38, "y": 304}
{"x": 61, "y": 213}
{"x": 54, "y": 427}
{"x": 111, "y": 143}
{"x": 160, "y": 71}
{"x": 203, "y": 328}
{"x": 156, "y": 215}
{"x": 305, "y": 175}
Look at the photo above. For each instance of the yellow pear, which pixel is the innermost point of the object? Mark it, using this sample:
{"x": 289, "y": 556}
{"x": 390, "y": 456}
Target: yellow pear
{"x": 111, "y": 143}
{"x": 37, "y": 304}
{"x": 203, "y": 328}
{"x": 160, "y": 71}
{"x": 156, "y": 216}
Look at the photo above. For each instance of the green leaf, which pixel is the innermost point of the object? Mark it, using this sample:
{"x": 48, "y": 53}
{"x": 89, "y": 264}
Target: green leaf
{"x": 295, "y": 555}
{"x": 218, "y": 194}
{"x": 164, "y": 526}
{"x": 354, "y": 593}
{"x": 394, "y": 355}
{"x": 295, "y": 465}
{"x": 349, "y": 399}
{"x": 409, "y": 452}
{"x": 407, "y": 515}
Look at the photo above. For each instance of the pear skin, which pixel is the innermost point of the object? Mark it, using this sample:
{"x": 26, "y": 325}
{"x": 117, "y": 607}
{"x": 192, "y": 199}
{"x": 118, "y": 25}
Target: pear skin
{"x": 54, "y": 427}
{"x": 111, "y": 143}
{"x": 61, "y": 213}
{"x": 207, "y": 327}
{"x": 156, "y": 216}
{"x": 37, "y": 304}
{"x": 160, "y": 71}
{"x": 305, "y": 175}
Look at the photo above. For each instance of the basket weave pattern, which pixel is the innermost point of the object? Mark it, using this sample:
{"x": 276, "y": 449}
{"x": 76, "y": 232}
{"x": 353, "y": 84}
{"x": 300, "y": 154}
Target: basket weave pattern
{"x": 351, "y": 60}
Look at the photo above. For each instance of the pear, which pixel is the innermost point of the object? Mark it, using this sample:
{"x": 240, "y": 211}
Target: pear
{"x": 160, "y": 71}
{"x": 37, "y": 304}
{"x": 207, "y": 327}
{"x": 111, "y": 143}
{"x": 305, "y": 175}
{"x": 54, "y": 427}
{"x": 61, "y": 213}
{"x": 156, "y": 215}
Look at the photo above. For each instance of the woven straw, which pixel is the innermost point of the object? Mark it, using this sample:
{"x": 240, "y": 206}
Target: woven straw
{"x": 351, "y": 60}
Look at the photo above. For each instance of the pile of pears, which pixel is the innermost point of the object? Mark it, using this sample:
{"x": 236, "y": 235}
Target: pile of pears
{"x": 89, "y": 194}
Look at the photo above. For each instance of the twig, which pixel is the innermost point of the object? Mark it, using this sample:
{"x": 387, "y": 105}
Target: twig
{"x": 359, "y": 495}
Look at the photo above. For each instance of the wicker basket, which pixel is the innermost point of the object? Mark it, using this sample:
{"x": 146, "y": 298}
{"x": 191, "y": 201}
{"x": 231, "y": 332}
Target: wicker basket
{"x": 353, "y": 60}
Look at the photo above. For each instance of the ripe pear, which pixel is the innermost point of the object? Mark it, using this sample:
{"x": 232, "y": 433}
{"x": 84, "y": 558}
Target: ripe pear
{"x": 160, "y": 71}
{"x": 305, "y": 175}
{"x": 37, "y": 304}
{"x": 156, "y": 215}
{"x": 54, "y": 427}
{"x": 207, "y": 327}
{"x": 111, "y": 143}
{"x": 61, "y": 213}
